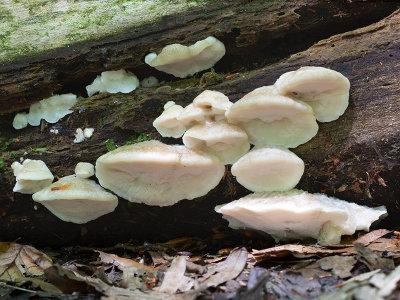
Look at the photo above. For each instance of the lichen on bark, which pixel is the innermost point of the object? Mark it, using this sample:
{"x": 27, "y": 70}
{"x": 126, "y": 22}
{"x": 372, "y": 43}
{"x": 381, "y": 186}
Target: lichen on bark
{"x": 30, "y": 27}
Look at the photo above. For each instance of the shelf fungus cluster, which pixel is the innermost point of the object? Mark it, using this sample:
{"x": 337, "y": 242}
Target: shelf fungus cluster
{"x": 284, "y": 116}
{"x": 73, "y": 198}
{"x": 216, "y": 132}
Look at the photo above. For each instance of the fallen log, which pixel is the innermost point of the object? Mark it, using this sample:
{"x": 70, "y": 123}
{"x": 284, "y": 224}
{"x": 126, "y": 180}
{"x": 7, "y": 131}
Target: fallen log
{"x": 355, "y": 158}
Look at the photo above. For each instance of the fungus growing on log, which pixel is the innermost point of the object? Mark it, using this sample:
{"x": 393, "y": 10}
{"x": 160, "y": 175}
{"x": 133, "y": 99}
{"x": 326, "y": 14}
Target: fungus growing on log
{"x": 268, "y": 169}
{"x": 214, "y": 104}
{"x": 225, "y": 141}
{"x": 84, "y": 170}
{"x": 167, "y": 123}
{"x": 51, "y": 109}
{"x": 113, "y": 82}
{"x": 325, "y": 90}
{"x": 31, "y": 176}
{"x": 273, "y": 120}
{"x": 77, "y": 200}
{"x": 182, "y": 61}
{"x": 296, "y": 214}
{"x": 157, "y": 174}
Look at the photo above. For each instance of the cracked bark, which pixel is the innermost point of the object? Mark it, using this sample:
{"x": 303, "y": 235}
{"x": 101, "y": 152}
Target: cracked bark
{"x": 352, "y": 158}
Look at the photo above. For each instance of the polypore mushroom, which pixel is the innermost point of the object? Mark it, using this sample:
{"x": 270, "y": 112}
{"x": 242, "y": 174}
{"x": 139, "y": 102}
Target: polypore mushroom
{"x": 167, "y": 123}
{"x": 113, "y": 82}
{"x": 51, "y": 109}
{"x": 84, "y": 170}
{"x": 273, "y": 120}
{"x": 157, "y": 174}
{"x": 182, "y": 61}
{"x": 31, "y": 176}
{"x": 268, "y": 169}
{"x": 191, "y": 115}
{"x": 325, "y": 90}
{"x": 213, "y": 103}
{"x": 20, "y": 121}
{"x": 76, "y": 200}
{"x": 296, "y": 214}
{"x": 225, "y": 141}
{"x": 150, "y": 81}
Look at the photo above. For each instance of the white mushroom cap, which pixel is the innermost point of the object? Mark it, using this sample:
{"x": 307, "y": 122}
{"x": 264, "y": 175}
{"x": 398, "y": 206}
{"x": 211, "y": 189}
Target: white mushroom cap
{"x": 167, "y": 123}
{"x": 157, "y": 174}
{"x": 296, "y": 214}
{"x": 268, "y": 169}
{"x": 213, "y": 103}
{"x": 150, "y": 81}
{"x": 325, "y": 90}
{"x": 51, "y": 109}
{"x": 20, "y": 121}
{"x": 84, "y": 170}
{"x": 273, "y": 119}
{"x": 192, "y": 115}
{"x": 31, "y": 176}
{"x": 225, "y": 141}
{"x": 182, "y": 61}
{"x": 76, "y": 200}
{"x": 113, "y": 82}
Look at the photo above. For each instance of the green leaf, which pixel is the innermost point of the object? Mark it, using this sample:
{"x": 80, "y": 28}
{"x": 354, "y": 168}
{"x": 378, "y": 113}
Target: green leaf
{"x": 110, "y": 145}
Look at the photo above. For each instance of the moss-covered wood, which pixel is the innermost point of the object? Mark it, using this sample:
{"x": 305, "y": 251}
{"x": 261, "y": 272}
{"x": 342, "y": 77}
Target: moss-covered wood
{"x": 354, "y": 158}
{"x": 63, "y": 57}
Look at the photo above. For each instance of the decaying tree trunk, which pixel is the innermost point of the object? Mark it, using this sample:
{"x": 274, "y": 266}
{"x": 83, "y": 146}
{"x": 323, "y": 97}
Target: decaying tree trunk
{"x": 354, "y": 158}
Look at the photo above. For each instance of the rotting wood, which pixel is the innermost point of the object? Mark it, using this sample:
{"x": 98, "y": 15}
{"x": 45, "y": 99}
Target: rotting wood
{"x": 350, "y": 158}
{"x": 253, "y": 31}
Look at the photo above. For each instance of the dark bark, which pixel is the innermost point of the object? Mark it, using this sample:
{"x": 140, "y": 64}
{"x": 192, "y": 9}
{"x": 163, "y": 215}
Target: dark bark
{"x": 355, "y": 158}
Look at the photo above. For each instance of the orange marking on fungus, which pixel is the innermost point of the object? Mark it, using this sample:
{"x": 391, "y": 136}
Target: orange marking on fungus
{"x": 60, "y": 187}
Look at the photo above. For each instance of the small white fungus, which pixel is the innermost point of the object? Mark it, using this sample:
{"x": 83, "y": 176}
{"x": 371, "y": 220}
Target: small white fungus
{"x": 113, "y": 82}
{"x": 51, "y": 109}
{"x": 149, "y": 82}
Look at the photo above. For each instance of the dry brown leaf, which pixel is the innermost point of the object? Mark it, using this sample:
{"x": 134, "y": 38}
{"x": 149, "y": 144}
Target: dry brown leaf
{"x": 175, "y": 279}
{"x": 370, "y": 237}
{"x": 285, "y": 250}
{"x": 226, "y": 270}
{"x": 122, "y": 262}
{"x": 341, "y": 266}
{"x": 17, "y": 262}
{"x": 391, "y": 246}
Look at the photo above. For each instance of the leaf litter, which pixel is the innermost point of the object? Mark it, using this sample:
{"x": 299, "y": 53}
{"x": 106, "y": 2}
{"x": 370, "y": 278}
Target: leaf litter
{"x": 362, "y": 268}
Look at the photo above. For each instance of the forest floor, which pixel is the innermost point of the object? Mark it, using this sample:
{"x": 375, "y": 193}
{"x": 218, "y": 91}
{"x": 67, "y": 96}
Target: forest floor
{"x": 364, "y": 267}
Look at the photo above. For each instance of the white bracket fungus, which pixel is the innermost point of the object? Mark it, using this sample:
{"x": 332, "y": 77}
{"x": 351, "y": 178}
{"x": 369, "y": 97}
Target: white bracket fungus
{"x": 268, "y": 169}
{"x": 207, "y": 106}
{"x": 325, "y": 90}
{"x": 84, "y": 170}
{"x": 182, "y": 61}
{"x": 76, "y": 200}
{"x": 150, "y": 81}
{"x": 225, "y": 141}
{"x": 296, "y": 214}
{"x": 191, "y": 115}
{"x": 113, "y": 82}
{"x": 51, "y": 109}
{"x": 20, "y": 121}
{"x": 31, "y": 176}
{"x": 273, "y": 120}
{"x": 79, "y": 137}
{"x": 167, "y": 123}
{"x": 157, "y": 174}
{"x": 82, "y": 135}
{"x": 213, "y": 103}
